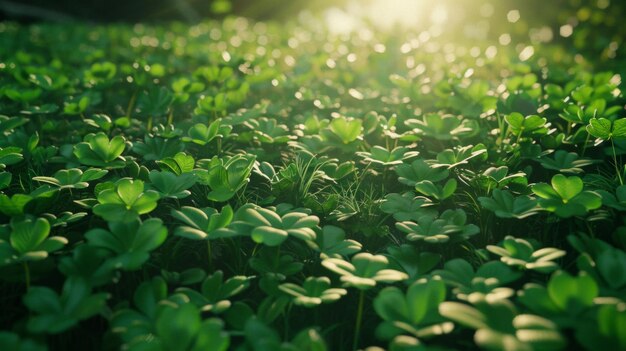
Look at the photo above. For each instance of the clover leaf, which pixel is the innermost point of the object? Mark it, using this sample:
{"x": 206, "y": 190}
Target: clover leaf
{"x": 126, "y": 201}
{"x": 267, "y": 131}
{"x": 215, "y": 292}
{"x": 28, "y": 241}
{"x": 154, "y": 148}
{"x": 73, "y": 178}
{"x": 177, "y": 164}
{"x": 520, "y": 125}
{"x": 202, "y": 134}
{"x": 617, "y": 200}
{"x": 566, "y": 197}
{"x": 346, "y": 129}
{"x": 566, "y": 162}
{"x": 451, "y": 158}
{"x": 382, "y": 156}
{"x": 265, "y": 226}
{"x": 449, "y": 226}
{"x": 332, "y": 242}
{"x": 498, "y": 177}
{"x": 9, "y": 156}
{"x": 419, "y": 170}
{"x": 182, "y": 328}
{"x": 204, "y": 224}
{"x": 313, "y": 292}
{"x": 564, "y": 295}
{"x": 440, "y": 127}
{"x": 605, "y": 129}
{"x": 405, "y": 207}
{"x": 130, "y": 243}
{"x": 364, "y": 270}
{"x": 133, "y": 324}
{"x": 499, "y": 326}
{"x": 270, "y": 262}
{"x": 407, "y": 258}
{"x": 428, "y": 188}
{"x": 168, "y": 184}
{"x": 520, "y": 253}
{"x": 226, "y": 177}
{"x": 607, "y": 330}
{"x": 97, "y": 150}
{"x": 414, "y": 312}
{"x": 505, "y": 205}
{"x": 12, "y": 341}
{"x": 53, "y": 313}
{"x": 488, "y": 280}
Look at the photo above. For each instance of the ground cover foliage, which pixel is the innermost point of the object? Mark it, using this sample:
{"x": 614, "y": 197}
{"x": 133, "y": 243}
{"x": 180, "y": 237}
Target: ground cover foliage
{"x": 245, "y": 186}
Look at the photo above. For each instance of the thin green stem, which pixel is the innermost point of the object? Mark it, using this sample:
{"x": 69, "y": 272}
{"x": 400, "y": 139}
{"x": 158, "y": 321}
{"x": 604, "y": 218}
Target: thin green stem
{"x": 131, "y": 104}
{"x": 359, "y": 320}
{"x": 170, "y": 117}
{"x": 619, "y": 173}
{"x": 27, "y": 275}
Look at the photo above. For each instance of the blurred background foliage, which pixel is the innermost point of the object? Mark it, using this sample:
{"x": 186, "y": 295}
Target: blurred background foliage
{"x": 593, "y": 28}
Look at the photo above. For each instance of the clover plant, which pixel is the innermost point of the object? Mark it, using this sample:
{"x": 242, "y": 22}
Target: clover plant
{"x": 126, "y": 201}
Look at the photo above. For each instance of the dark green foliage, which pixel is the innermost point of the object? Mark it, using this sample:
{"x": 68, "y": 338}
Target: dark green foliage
{"x": 256, "y": 186}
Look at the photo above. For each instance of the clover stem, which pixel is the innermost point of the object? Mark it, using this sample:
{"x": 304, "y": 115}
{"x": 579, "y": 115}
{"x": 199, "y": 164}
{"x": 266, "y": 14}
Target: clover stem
{"x": 359, "y": 319}
{"x": 208, "y": 246}
{"x": 619, "y": 174}
{"x": 519, "y": 137}
{"x": 170, "y": 117}
{"x": 149, "y": 127}
{"x": 131, "y": 104}
{"x": 585, "y": 145}
{"x": 27, "y": 275}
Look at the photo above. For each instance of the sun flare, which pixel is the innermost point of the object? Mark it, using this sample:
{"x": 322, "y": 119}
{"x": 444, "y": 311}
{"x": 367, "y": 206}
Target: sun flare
{"x": 386, "y": 14}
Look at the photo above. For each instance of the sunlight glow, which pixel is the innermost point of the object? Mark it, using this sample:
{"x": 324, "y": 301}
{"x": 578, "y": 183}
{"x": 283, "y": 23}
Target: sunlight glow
{"x": 386, "y": 14}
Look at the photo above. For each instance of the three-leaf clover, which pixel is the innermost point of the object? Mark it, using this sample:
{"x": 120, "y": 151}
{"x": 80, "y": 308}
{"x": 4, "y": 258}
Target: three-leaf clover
{"x": 73, "y": 178}
{"x": 499, "y": 326}
{"x": 606, "y": 129}
{"x": 406, "y": 207}
{"x": 566, "y": 197}
{"x": 414, "y": 312}
{"x": 419, "y": 170}
{"x": 27, "y": 240}
{"x": 130, "y": 243}
{"x": 564, "y": 295}
{"x": 169, "y": 184}
{"x": 180, "y": 327}
{"x": 382, "y": 156}
{"x": 520, "y": 125}
{"x": 450, "y": 225}
{"x": 566, "y": 162}
{"x": 520, "y": 253}
{"x": 364, "y": 270}
{"x": 488, "y": 280}
{"x": 126, "y": 201}
{"x": 505, "y": 205}
{"x": 226, "y": 177}
{"x": 436, "y": 191}
{"x": 266, "y": 226}
{"x": 97, "y": 150}
{"x": 313, "y": 292}
{"x": 202, "y": 134}
{"x": 332, "y": 242}
{"x": 54, "y": 313}
{"x": 347, "y": 130}
{"x": 215, "y": 292}
{"x": 204, "y": 224}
